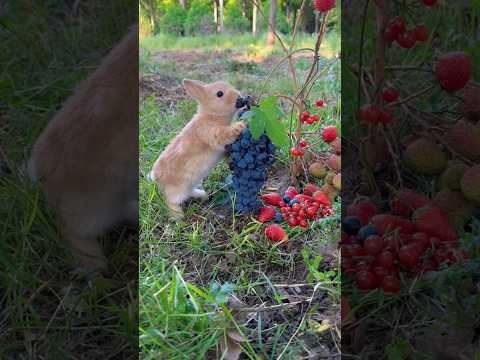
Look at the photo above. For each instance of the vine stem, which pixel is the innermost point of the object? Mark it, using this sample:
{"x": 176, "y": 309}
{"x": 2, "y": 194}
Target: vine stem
{"x": 412, "y": 97}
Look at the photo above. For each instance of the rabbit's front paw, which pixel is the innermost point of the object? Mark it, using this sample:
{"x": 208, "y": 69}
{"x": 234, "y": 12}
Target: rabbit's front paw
{"x": 238, "y": 128}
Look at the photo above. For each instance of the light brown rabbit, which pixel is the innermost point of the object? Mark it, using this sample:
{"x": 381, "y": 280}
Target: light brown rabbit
{"x": 86, "y": 159}
{"x": 190, "y": 156}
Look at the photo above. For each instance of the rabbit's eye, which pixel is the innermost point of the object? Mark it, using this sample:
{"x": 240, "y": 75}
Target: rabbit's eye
{"x": 220, "y": 93}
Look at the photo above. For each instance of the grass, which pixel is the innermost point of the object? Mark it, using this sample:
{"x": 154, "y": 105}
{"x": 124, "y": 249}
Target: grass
{"x": 47, "y": 309}
{"x": 196, "y": 275}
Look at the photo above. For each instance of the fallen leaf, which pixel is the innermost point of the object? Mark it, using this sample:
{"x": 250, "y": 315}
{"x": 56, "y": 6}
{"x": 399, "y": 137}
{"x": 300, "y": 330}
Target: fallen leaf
{"x": 230, "y": 345}
{"x": 320, "y": 327}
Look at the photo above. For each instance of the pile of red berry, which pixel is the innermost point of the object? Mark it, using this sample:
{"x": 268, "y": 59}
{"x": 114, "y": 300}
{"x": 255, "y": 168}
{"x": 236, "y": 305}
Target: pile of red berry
{"x": 414, "y": 237}
{"x": 295, "y": 208}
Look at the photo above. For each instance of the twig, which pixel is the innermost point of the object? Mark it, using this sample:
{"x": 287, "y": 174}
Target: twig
{"x": 412, "y": 97}
{"x": 360, "y": 54}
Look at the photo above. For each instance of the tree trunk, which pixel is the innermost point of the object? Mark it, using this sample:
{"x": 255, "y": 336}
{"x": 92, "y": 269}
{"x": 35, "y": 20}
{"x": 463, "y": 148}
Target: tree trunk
{"x": 182, "y": 3}
{"x": 272, "y": 20}
{"x": 244, "y": 8}
{"x": 220, "y": 16}
{"x": 215, "y": 12}
{"x": 254, "y": 21}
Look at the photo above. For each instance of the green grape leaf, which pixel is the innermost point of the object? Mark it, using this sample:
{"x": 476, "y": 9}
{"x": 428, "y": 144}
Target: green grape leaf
{"x": 276, "y": 132}
{"x": 257, "y": 123}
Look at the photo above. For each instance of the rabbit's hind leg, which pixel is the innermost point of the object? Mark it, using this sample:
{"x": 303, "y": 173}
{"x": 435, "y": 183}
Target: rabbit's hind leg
{"x": 175, "y": 196}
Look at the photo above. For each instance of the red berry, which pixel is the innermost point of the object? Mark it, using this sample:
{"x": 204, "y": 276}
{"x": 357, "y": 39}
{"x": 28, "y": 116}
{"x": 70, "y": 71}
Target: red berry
{"x": 323, "y": 5}
{"x": 320, "y": 103}
{"x": 314, "y": 118}
{"x": 390, "y": 94}
{"x": 373, "y": 244}
{"x": 390, "y": 34}
{"x": 329, "y": 134}
{"x": 391, "y": 284}
{"x": 296, "y": 152}
{"x": 304, "y": 117}
{"x": 296, "y": 207}
{"x": 370, "y": 114}
{"x": 386, "y": 259}
{"x": 366, "y": 280}
{"x": 397, "y": 25}
{"x": 380, "y": 273}
{"x": 421, "y": 33}
{"x": 275, "y": 232}
{"x": 291, "y": 192}
{"x": 266, "y": 214}
{"x": 409, "y": 255}
{"x": 302, "y": 143}
{"x": 454, "y": 70}
{"x": 406, "y": 39}
{"x": 429, "y": 2}
{"x": 292, "y": 221}
{"x": 272, "y": 199}
{"x": 310, "y": 189}
{"x": 311, "y": 211}
{"x": 303, "y": 223}
{"x": 386, "y": 116}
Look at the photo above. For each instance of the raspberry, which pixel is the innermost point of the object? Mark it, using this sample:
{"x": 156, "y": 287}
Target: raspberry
{"x": 421, "y": 33}
{"x": 390, "y": 94}
{"x": 315, "y": 118}
{"x": 323, "y": 5}
{"x": 329, "y": 134}
{"x": 453, "y": 71}
{"x": 320, "y": 103}
{"x": 302, "y": 143}
{"x": 296, "y": 152}
{"x": 406, "y": 39}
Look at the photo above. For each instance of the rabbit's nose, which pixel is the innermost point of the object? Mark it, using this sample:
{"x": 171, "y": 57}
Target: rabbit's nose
{"x": 240, "y": 102}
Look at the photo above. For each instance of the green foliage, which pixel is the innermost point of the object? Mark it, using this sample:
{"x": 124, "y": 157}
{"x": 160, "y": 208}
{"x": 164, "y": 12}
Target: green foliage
{"x": 234, "y": 21}
{"x": 174, "y": 19}
{"x": 266, "y": 119}
{"x": 200, "y": 18}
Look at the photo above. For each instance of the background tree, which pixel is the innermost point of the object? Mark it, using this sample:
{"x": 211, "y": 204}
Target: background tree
{"x": 272, "y": 19}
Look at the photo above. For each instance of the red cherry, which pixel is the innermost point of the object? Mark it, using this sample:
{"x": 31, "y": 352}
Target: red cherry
{"x": 370, "y": 114}
{"x": 397, "y": 25}
{"x": 304, "y": 117}
{"x": 390, "y": 34}
{"x": 386, "y": 259}
{"x": 406, "y": 39}
{"x": 373, "y": 245}
{"x": 421, "y": 33}
{"x": 366, "y": 280}
{"x": 302, "y": 143}
{"x": 409, "y": 255}
{"x": 390, "y": 94}
{"x": 391, "y": 284}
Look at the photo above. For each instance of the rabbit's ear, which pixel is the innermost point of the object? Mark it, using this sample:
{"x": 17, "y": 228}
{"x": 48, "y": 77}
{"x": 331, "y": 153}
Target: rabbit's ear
{"x": 194, "y": 88}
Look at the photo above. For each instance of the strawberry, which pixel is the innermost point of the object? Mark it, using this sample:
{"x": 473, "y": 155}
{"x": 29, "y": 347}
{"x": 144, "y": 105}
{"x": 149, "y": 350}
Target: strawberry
{"x": 291, "y": 192}
{"x": 309, "y": 189}
{"x": 421, "y": 33}
{"x": 363, "y": 209}
{"x": 266, "y": 214}
{"x": 272, "y": 199}
{"x": 323, "y": 5}
{"x": 390, "y": 94}
{"x": 329, "y": 134}
{"x": 454, "y": 70}
{"x": 385, "y": 223}
{"x": 432, "y": 221}
{"x": 322, "y": 198}
{"x": 301, "y": 198}
{"x": 406, "y": 39}
{"x": 275, "y": 232}
{"x": 320, "y": 103}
